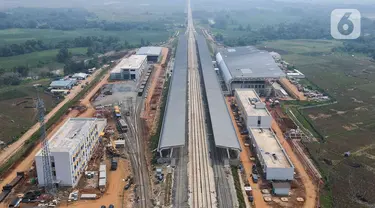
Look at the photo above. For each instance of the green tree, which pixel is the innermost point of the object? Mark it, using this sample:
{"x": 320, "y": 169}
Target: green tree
{"x": 248, "y": 28}
{"x": 22, "y": 70}
{"x": 90, "y": 51}
{"x": 10, "y": 78}
{"x": 219, "y": 36}
{"x": 63, "y": 55}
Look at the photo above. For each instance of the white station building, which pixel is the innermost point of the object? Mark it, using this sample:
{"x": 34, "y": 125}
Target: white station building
{"x": 274, "y": 161}
{"x": 130, "y": 68}
{"x": 71, "y": 148}
{"x": 253, "y": 111}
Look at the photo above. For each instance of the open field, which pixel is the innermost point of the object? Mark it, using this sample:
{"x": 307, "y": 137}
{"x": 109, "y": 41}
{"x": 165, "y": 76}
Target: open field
{"x": 16, "y": 117}
{"x": 37, "y": 59}
{"x": 345, "y": 126}
{"x": 11, "y": 36}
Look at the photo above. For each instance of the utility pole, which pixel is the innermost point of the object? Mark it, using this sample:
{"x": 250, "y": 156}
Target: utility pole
{"x": 49, "y": 185}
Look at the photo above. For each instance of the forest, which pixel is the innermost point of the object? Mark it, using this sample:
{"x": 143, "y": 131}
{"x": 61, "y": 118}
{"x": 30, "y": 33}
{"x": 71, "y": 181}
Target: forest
{"x": 50, "y": 18}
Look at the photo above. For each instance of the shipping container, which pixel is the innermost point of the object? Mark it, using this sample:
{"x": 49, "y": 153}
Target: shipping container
{"x": 88, "y": 196}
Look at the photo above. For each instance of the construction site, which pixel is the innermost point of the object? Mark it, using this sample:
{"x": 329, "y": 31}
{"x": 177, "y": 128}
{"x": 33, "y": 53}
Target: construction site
{"x": 94, "y": 155}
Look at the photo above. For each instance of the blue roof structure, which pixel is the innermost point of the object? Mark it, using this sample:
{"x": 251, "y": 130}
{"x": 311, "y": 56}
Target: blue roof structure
{"x": 62, "y": 83}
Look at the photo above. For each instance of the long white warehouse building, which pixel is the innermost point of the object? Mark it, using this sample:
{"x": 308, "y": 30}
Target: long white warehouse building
{"x": 71, "y": 148}
{"x": 274, "y": 161}
{"x": 253, "y": 112}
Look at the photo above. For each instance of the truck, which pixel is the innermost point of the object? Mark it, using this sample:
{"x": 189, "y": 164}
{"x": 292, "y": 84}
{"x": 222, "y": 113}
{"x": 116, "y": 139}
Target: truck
{"x": 17, "y": 179}
{"x": 248, "y": 190}
{"x": 15, "y": 202}
{"x": 114, "y": 163}
{"x": 8, "y": 188}
{"x": 6, "y": 191}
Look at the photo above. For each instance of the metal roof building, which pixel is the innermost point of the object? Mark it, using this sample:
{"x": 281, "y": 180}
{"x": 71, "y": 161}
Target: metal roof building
{"x": 253, "y": 111}
{"x": 130, "y": 68}
{"x": 132, "y": 62}
{"x": 222, "y": 125}
{"x": 152, "y": 53}
{"x": 173, "y": 132}
{"x": 63, "y": 84}
{"x": 272, "y": 156}
{"x": 247, "y": 67}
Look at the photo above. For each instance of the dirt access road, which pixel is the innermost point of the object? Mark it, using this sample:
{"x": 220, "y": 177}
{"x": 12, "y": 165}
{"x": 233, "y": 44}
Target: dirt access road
{"x": 114, "y": 193}
{"x": 292, "y": 89}
{"x": 310, "y": 188}
{"x": 13, "y": 148}
{"x": 247, "y": 163}
{"x": 154, "y": 81}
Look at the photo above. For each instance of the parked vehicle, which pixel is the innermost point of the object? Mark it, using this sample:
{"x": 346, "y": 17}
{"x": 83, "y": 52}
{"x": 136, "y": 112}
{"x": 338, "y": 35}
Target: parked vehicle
{"x": 250, "y": 198}
{"x": 111, "y": 206}
{"x": 244, "y": 132}
{"x": 254, "y": 169}
{"x": 114, "y": 163}
{"x": 255, "y": 178}
{"x": 127, "y": 186}
{"x": 15, "y": 202}
{"x": 8, "y": 188}
{"x": 103, "y": 206}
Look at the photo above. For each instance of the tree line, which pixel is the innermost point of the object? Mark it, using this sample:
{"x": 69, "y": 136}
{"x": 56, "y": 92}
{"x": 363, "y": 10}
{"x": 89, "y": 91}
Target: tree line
{"x": 305, "y": 29}
{"x": 96, "y": 44}
{"x": 67, "y": 19}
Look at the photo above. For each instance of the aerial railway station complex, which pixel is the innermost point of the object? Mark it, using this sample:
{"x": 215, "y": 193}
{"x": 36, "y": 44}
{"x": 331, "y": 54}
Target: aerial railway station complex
{"x": 218, "y": 120}
{"x": 247, "y": 72}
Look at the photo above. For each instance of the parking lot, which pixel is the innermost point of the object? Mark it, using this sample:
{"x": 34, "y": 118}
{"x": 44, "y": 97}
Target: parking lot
{"x": 115, "y": 92}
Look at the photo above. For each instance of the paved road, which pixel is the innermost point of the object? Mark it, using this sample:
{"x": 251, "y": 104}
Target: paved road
{"x": 310, "y": 185}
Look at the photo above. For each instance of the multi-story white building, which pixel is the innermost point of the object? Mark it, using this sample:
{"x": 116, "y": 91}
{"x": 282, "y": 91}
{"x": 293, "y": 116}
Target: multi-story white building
{"x": 275, "y": 163}
{"x": 71, "y": 148}
{"x": 130, "y": 68}
{"x": 253, "y": 111}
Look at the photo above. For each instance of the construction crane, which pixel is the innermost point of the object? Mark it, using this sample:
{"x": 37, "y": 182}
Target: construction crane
{"x": 49, "y": 185}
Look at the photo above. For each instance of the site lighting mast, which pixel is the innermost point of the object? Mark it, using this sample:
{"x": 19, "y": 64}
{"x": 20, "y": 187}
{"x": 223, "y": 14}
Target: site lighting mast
{"x": 49, "y": 185}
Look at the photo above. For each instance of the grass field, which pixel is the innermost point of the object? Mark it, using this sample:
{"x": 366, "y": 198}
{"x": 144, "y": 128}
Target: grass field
{"x": 11, "y": 36}
{"x": 348, "y": 125}
{"x": 37, "y": 59}
{"x": 15, "y": 112}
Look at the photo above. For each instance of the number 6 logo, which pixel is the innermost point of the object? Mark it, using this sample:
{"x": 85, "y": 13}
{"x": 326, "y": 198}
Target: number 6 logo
{"x": 345, "y": 24}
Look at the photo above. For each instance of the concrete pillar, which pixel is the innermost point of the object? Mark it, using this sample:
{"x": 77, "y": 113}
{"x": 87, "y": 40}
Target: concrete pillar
{"x": 170, "y": 155}
{"x": 228, "y": 153}
{"x": 161, "y": 154}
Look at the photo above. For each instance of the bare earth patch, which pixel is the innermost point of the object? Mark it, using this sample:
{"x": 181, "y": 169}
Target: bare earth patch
{"x": 338, "y": 112}
{"x": 356, "y": 101}
{"x": 320, "y": 115}
{"x": 361, "y": 109}
{"x": 350, "y": 127}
